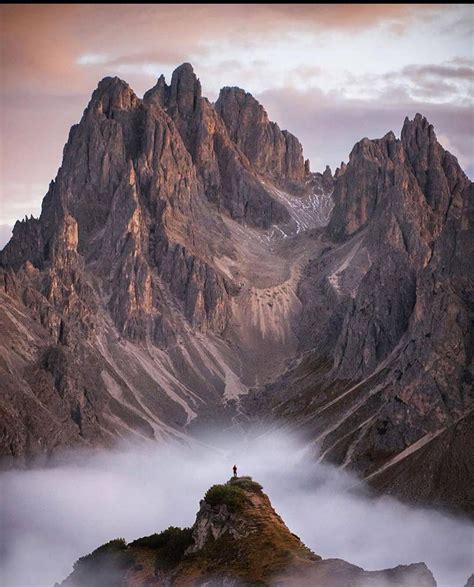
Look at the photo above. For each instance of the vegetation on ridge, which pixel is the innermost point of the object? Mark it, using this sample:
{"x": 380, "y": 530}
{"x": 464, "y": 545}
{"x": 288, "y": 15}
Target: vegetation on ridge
{"x": 232, "y": 494}
{"x": 105, "y": 565}
{"x": 169, "y": 545}
{"x": 248, "y": 541}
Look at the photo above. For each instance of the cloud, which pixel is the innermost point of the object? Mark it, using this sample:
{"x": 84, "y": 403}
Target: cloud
{"x": 87, "y": 499}
{"x": 436, "y": 82}
{"x": 446, "y": 71}
{"x": 43, "y": 46}
{"x": 92, "y": 59}
{"x": 429, "y": 82}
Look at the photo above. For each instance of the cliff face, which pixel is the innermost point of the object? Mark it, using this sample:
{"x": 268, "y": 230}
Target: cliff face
{"x": 228, "y": 175}
{"x": 237, "y": 540}
{"x": 273, "y": 152}
{"x": 389, "y": 312}
{"x": 411, "y": 310}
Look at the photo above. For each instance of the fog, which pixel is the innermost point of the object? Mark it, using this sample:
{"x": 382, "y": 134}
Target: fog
{"x": 50, "y": 517}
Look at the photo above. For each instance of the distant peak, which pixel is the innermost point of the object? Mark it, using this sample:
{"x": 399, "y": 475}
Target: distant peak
{"x": 113, "y": 93}
{"x": 232, "y": 101}
{"x": 184, "y": 68}
{"x": 158, "y": 91}
{"x": 234, "y": 90}
{"x": 185, "y": 74}
{"x": 234, "y": 93}
{"x": 417, "y": 131}
{"x": 111, "y": 82}
{"x": 185, "y": 90}
{"x": 390, "y": 136}
{"x": 420, "y": 118}
{"x": 419, "y": 121}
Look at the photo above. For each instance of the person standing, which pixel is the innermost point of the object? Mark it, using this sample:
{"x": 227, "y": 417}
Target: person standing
{"x": 235, "y": 470}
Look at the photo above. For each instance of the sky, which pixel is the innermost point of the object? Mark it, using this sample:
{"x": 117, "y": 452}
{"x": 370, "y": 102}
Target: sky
{"x": 330, "y": 74}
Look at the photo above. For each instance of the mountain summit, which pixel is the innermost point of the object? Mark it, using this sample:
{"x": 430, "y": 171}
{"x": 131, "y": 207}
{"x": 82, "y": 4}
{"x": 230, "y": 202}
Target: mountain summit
{"x": 189, "y": 269}
{"x": 237, "y": 540}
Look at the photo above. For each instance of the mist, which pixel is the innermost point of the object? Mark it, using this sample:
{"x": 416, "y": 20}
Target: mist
{"x": 52, "y": 516}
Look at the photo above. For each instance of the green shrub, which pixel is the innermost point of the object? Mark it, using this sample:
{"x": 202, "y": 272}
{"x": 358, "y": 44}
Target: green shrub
{"x": 110, "y": 549}
{"x": 230, "y": 495}
{"x": 104, "y": 566}
{"x": 246, "y": 483}
{"x": 169, "y": 544}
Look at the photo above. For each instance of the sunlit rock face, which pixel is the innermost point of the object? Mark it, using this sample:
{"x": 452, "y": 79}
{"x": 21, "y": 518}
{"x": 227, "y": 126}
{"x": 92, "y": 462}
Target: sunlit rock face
{"x": 226, "y": 174}
{"x": 118, "y": 300}
{"x": 272, "y": 151}
{"x": 186, "y": 254}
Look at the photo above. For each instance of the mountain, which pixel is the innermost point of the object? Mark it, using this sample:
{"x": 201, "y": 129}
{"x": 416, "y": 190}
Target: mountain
{"x": 385, "y": 385}
{"x": 237, "y": 540}
{"x": 188, "y": 269}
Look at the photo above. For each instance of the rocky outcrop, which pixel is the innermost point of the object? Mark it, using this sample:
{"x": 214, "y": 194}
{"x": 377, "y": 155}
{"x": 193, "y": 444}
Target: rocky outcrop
{"x": 387, "y": 311}
{"x": 123, "y": 199}
{"x": 26, "y": 244}
{"x": 274, "y": 153}
{"x": 367, "y": 176}
{"x": 238, "y": 539}
{"x": 228, "y": 178}
{"x": 416, "y": 216}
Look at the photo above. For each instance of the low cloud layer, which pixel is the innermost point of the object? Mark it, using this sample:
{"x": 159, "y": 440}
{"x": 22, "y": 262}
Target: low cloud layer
{"x": 50, "y": 517}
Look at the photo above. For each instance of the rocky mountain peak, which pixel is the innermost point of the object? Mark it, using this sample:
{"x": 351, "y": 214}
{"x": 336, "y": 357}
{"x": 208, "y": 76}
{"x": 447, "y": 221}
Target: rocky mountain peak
{"x": 159, "y": 93}
{"x": 275, "y": 153}
{"x": 375, "y": 165}
{"x": 437, "y": 171}
{"x": 234, "y": 98}
{"x": 237, "y": 540}
{"x": 419, "y": 141}
{"x": 419, "y": 122}
{"x": 340, "y": 170}
{"x": 400, "y": 207}
{"x": 185, "y": 90}
{"x": 328, "y": 179}
{"x": 182, "y": 97}
{"x": 113, "y": 93}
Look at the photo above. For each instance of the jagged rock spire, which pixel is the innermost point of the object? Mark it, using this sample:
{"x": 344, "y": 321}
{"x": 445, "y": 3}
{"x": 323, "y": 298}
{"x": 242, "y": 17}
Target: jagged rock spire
{"x": 272, "y": 151}
{"x": 185, "y": 90}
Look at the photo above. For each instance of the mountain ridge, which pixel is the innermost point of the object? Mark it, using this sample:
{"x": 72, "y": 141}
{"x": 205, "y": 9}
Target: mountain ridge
{"x": 182, "y": 258}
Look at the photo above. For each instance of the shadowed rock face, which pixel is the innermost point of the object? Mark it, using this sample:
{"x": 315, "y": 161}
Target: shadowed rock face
{"x": 237, "y": 539}
{"x": 412, "y": 307}
{"x": 181, "y": 258}
{"x": 390, "y": 306}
